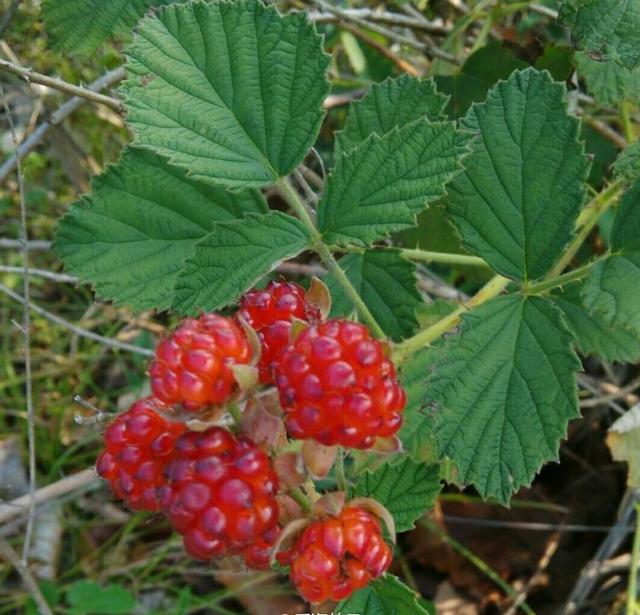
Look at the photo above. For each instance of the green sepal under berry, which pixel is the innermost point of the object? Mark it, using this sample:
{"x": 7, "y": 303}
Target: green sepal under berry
{"x": 131, "y": 235}
{"x": 503, "y": 390}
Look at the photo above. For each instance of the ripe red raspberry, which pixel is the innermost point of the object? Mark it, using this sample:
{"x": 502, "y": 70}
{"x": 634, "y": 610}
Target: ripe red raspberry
{"x": 270, "y": 312}
{"x": 221, "y": 494}
{"x": 138, "y": 443}
{"x": 338, "y": 387}
{"x": 193, "y": 365}
{"x": 333, "y": 558}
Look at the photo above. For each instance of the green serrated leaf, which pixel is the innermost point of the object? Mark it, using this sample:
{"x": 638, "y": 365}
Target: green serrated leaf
{"x": 606, "y": 29}
{"x": 625, "y": 233}
{"x": 608, "y": 82}
{"x": 233, "y": 257}
{"x": 387, "y": 283}
{"x": 627, "y": 165}
{"x": 507, "y": 204}
{"x": 130, "y": 237}
{"x": 416, "y": 433}
{"x": 82, "y": 25}
{"x": 89, "y": 598}
{"x": 231, "y": 91}
{"x": 593, "y": 334}
{"x": 612, "y": 291}
{"x": 384, "y": 596}
{"x": 394, "y": 102}
{"x": 380, "y": 186}
{"x": 479, "y": 73}
{"x": 406, "y": 488}
{"x": 503, "y": 391}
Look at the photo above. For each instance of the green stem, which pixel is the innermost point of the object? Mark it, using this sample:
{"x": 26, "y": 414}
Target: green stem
{"x": 560, "y": 280}
{"x": 409, "y": 347}
{"x": 294, "y": 200}
{"x": 627, "y": 125}
{"x": 236, "y": 415}
{"x": 478, "y": 563}
{"x": 426, "y": 256}
{"x": 632, "y": 589}
{"x": 301, "y": 499}
{"x": 587, "y": 219}
{"x": 341, "y": 478}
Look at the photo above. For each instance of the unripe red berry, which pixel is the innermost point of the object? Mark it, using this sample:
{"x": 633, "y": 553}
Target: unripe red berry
{"x": 221, "y": 494}
{"x": 338, "y": 387}
{"x": 334, "y": 557}
{"x": 138, "y": 443}
{"x": 193, "y": 364}
{"x": 270, "y": 312}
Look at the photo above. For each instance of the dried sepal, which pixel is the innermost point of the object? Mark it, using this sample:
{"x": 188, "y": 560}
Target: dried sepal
{"x": 330, "y": 504}
{"x": 391, "y": 445}
{"x": 319, "y": 296}
{"x": 253, "y": 339}
{"x": 297, "y": 327}
{"x": 246, "y": 376}
{"x": 290, "y": 470}
{"x": 263, "y": 427}
{"x": 318, "y": 458}
{"x": 289, "y": 534}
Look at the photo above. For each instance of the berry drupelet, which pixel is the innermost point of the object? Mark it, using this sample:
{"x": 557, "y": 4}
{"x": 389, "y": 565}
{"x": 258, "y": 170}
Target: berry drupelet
{"x": 193, "y": 364}
{"x": 138, "y": 443}
{"x": 270, "y": 312}
{"x": 338, "y": 387}
{"x": 221, "y": 496}
{"x": 334, "y": 557}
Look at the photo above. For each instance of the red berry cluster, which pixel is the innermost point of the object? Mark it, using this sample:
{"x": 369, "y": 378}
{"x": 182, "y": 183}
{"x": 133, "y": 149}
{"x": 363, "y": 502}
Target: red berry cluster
{"x": 270, "y": 312}
{"x": 338, "y": 387}
{"x": 335, "y": 384}
{"x": 334, "y": 557}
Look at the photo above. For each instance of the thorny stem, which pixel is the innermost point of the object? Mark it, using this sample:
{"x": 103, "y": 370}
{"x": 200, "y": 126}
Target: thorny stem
{"x": 627, "y": 125}
{"x": 560, "y": 280}
{"x": 294, "y": 200}
{"x": 301, "y": 499}
{"x": 426, "y": 256}
{"x": 491, "y": 289}
{"x": 632, "y": 589}
{"x": 586, "y": 221}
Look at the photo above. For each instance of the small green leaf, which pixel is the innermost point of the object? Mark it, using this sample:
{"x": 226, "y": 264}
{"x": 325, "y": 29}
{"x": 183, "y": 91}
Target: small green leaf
{"x": 384, "y": 596}
{"x": 612, "y": 291}
{"x": 606, "y": 29}
{"x": 508, "y": 206}
{"x": 406, "y": 488}
{"x": 608, "y": 82}
{"x": 387, "y": 283}
{"x": 88, "y": 598}
{"x": 231, "y": 91}
{"x": 394, "y": 102}
{"x": 627, "y": 165}
{"x": 481, "y": 70}
{"x": 131, "y": 235}
{"x": 593, "y": 334}
{"x": 380, "y": 186}
{"x": 82, "y": 25}
{"x": 503, "y": 391}
{"x": 233, "y": 257}
{"x": 416, "y": 433}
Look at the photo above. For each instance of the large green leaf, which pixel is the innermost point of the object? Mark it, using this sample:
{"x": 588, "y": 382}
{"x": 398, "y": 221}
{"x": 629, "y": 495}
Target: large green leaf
{"x": 606, "y": 29}
{"x": 88, "y": 598}
{"x": 385, "y": 596}
{"x": 612, "y": 291}
{"x": 608, "y": 82}
{"x": 517, "y": 201}
{"x": 593, "y": 334}
{"x": 503, "y": 391}
{"x": 406, "y": 488}
{"x": 387, "y": 283}
{"x": 394, "y": 102}
{"x": 233, "y": 257}
{"x": 131, "y": 235}
{"x": 82, "y": 25}
{"x": 231, "y": 91}
{"x": 625, "y": 233}
{"x": 627, "y": 165}
{"x": 380, "y": 186}
{"x": 416, "y": 433}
